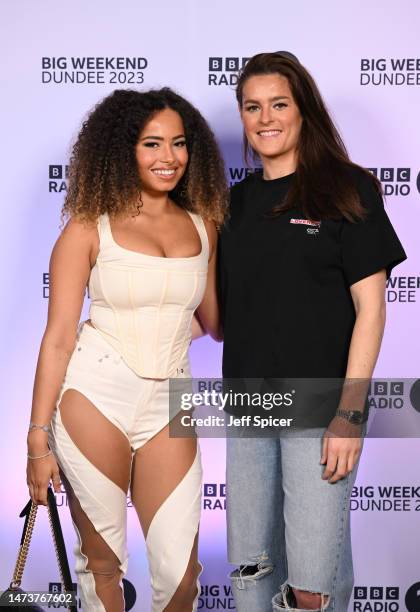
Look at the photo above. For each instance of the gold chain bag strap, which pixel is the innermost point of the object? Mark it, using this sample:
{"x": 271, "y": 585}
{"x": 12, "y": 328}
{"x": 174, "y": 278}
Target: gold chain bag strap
{"x": 29, "y": 512}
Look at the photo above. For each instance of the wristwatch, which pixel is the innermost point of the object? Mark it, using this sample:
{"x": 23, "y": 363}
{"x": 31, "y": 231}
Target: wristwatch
{"x": 356, "y": 417}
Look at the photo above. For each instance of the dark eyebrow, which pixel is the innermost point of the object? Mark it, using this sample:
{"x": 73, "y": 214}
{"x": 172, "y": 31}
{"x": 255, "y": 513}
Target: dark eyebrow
{"x": 270, "y": 100}
{"x": 160, "y": 137}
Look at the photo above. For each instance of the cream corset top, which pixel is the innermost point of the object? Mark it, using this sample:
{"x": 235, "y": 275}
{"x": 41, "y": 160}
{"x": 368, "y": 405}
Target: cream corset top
{"x": 143, "y": 304}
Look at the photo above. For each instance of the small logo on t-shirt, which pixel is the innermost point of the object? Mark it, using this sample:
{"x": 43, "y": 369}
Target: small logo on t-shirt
{"x": 305, "y": 222}
{"x": 313, "y": 231}
{"x": 312, "y": 226}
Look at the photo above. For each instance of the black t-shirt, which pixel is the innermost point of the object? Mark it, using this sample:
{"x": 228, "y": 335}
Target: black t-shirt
{"x": 285, "y": 281}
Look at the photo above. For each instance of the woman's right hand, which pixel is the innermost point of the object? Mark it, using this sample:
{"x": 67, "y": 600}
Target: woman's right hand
{"x": 39, "y": 472}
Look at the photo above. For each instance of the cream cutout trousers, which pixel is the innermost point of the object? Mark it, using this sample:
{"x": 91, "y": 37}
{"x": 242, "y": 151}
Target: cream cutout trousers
{"x": 139, "y": 408}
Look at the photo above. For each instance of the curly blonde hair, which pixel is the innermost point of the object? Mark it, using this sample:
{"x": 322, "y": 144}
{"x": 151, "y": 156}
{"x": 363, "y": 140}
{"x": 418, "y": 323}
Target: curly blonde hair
{"x": 103, "y": 172}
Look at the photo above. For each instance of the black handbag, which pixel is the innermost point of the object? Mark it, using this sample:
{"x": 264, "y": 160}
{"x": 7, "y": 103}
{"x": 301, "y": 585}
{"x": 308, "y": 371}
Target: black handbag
{"x": 29, "y": 512}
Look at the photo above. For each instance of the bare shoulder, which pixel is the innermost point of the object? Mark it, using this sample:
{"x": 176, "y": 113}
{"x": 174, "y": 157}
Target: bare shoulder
{"x": 78, "y": 237}
{"x": 212, "y": 234}
{"x": 75, "y": 229}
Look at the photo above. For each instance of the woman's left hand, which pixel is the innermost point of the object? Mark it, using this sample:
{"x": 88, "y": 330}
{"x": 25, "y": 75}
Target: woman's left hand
{"x": 340, "y": 454}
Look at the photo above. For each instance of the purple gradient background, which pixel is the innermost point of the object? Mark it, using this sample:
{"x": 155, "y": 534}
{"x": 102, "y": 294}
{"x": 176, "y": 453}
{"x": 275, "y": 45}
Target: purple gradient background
{"x": 380, "y": 126}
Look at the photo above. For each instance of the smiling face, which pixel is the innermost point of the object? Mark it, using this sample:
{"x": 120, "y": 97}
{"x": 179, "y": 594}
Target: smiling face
{"x": 271, "y": 118}
{"x": 161, "y": 152}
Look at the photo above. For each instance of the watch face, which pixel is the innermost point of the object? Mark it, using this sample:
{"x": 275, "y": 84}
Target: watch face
{"x": 356, "y": 417}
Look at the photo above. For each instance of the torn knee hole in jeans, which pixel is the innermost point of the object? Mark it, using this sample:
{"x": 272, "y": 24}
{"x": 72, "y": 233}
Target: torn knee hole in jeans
{"x": 250, "y": 572}
{"x": 286, "y": 599}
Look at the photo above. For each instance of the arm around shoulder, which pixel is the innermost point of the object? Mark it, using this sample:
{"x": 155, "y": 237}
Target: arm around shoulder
{"x": 208, "y": 311}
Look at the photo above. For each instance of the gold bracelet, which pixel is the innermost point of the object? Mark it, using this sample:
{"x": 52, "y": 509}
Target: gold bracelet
{"x": 39, "y": 456}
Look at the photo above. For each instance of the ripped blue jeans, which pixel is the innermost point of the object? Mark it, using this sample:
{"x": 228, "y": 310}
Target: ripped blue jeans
{"x": 286, "y": 526}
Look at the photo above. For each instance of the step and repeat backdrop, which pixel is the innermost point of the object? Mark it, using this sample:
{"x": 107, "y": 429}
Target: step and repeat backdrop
{"x": 58, "y": 61}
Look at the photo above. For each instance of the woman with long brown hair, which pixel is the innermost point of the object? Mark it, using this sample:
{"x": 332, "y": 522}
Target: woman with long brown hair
{"x": 304, "y": 260}
{"x": 146, "y": 189}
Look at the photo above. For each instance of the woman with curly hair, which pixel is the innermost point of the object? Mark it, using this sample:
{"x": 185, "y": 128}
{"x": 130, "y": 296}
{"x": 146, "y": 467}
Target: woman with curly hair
{"x": 146, "y": 188}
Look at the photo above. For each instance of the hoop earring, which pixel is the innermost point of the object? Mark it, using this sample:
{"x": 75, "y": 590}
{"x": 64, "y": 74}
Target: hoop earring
{"x": 139, "y": 205}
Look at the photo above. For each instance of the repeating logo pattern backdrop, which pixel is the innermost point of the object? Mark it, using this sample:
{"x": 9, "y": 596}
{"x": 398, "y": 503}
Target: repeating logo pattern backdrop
{"x": 57, "y": 63}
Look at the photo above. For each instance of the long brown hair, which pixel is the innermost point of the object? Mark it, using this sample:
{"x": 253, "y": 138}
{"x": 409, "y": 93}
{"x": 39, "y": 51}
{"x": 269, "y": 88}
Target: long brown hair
{"x": 323, "y": 183}
{"x": 103, "y": 173}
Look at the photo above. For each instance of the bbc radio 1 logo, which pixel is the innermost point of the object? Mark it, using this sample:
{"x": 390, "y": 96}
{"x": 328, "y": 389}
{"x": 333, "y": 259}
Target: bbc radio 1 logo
{"x": 396, "y": 181}
{"x": 225, "y": 70}
{"x": 214, "y": 496}
{"x": 390, "y": 71}
{"x": 216, "y": 597}
{"x": 386, "y": 394}
{"x": 93, "y": 70}
{"x": 57, "y": 178}
{"x": 385, "y": 598}
{"x": 130, "y": 594}
{"x": 376, "y": 599}
{"x": 394, "y": 394}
